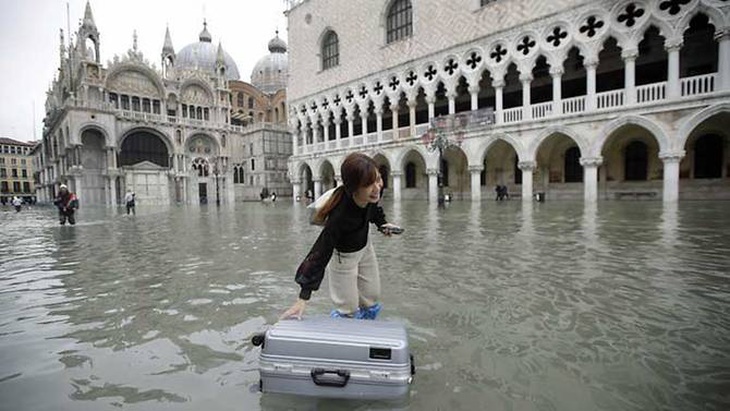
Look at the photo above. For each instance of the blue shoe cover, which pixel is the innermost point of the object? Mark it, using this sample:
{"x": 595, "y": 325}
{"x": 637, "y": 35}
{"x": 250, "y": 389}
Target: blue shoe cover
{"x": 337, "y": 314}
{"x": 369, "y": 313}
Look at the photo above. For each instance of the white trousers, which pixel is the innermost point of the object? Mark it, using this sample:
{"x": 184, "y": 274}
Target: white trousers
{"x": 354, "y": 279}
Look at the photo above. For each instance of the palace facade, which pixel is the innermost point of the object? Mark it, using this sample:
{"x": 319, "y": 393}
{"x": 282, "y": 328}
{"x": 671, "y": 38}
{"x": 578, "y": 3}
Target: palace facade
{"x": 16, "y": 170}
{"x": 571, "y": 98}
{"x": 189, "y": 132}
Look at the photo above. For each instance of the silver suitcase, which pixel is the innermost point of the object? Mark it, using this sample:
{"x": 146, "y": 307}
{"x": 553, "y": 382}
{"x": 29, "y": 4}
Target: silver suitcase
{"x": 336, "y": 358}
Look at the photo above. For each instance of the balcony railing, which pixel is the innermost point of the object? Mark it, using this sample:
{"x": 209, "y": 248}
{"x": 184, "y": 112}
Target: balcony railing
{"x": 574, "y": 105}
{"x": 612, "y": 99}
{"x": 651, "y": 92}
{"x": 542, "y": 110}
{"x": 692, "y": 86}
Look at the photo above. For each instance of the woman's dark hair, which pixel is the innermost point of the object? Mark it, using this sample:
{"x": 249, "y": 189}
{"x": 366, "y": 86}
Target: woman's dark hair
{"x": 357, "y": 170}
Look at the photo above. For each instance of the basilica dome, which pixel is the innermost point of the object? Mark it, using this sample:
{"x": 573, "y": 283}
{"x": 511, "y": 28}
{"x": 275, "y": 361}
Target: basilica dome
{"x": 202, "y": 56}
{"x": 271, "y": 72}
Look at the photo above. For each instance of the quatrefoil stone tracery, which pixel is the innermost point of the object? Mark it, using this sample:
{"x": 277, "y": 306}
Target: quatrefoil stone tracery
{"x": 591, "y": 27}
{"x": 557, "y": 36}
{"x": 674, "y": 6}
{"x": 525, "y": 45}
{"x": 631, "y": 14}
{"x": 473, "y": 60}
{"x": 430, "y": 73}
{"x": 498, "y": 53}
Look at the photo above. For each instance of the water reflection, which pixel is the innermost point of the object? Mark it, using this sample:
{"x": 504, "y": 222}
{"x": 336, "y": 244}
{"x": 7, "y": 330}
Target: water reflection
{"x": 508, "y": 305}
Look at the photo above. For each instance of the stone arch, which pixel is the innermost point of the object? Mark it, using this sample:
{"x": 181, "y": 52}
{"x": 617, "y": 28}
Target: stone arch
{"x": 685, "y": 131}
{"x": 200, "y": 83}
{"x": 399, "y": 158}
{"x": 715, "y": 17}
{"x": 120, "y": 69}
{"x": 534, "y": 146}
{"x": 665, "y": 30}
{"x": 477, "y": 153}
{"x": 161, "y": 159}
{"x": 655, "y": 129}
{"x": 195, "y": 145}
{"x": 93, "y": 144}
{"x": 94, "y": 126}
{"x": 326, "y": 172}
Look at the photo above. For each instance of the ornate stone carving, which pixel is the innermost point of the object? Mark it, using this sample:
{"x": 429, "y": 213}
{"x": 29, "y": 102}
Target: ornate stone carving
{"x": 195, "y": 94}
{"x": 133, "y": 82}
{"x": 591, "y": 161}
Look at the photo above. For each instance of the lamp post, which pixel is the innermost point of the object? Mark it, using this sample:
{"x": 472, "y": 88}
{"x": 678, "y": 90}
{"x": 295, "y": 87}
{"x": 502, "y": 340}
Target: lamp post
{"x": 435, "y": 138}
{"x": 216, "y": 172}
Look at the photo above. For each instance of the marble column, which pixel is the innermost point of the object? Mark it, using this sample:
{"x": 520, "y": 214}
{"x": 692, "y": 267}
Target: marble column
{"x": 526, "y": 80}
{"x": 296, "y": 190}
{"x": 671, "y": 175}
{"x": 350, "y": 124}
{"x": 476, "y": 182}
{"x": 364, "y": 121}
{"x": 397, "y": 194}
{"x": 451, "y": 95}
{"x": 557, "y": 75}
{"x": 673, "y": 87}
{"x": 527, "y": 167}
{"x": 723, "y": 59}
{"x": 113, "y": 186}
{"x": 431, "y": 100}
{"x": 590, "y": 177}
{"x": 326, "y": 130}
{"x": 590, "y": 66}
{"x": 433, "y": 189}
{"x": 379, "y": 122}
{"x": 394, "y": 110}
{"x": 317, "y": 187}
{"x": 498, "y": 87}
{"x": 474, "y": 92}
{"x": 629, "y": 56}
{"x": 412, "y": 116}
{"x": 338, "y": 130}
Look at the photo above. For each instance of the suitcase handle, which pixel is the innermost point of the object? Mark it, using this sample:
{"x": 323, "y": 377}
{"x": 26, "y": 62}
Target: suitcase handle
{"x": 318, "y": 372}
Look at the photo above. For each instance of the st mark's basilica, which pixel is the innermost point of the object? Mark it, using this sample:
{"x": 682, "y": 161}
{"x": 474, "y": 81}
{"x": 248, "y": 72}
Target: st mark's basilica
{"x": 187, "y": 132}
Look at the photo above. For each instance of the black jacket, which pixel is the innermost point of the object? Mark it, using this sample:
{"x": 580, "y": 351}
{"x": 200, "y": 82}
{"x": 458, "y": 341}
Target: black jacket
{"x": 347, "y": 230}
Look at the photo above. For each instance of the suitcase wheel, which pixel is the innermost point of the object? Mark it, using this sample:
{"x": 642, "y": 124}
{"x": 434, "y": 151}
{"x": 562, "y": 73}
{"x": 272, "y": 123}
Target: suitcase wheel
{"x": 258, "y": 340}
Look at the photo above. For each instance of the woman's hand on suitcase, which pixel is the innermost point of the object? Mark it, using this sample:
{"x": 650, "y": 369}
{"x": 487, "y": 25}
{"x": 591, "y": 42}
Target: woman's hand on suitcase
{"x": 296, "y": 310}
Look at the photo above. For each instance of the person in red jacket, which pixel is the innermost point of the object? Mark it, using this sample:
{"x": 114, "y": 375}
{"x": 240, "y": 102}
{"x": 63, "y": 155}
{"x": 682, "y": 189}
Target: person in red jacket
{"x": 67, "y": 204}
{"x": 344, "y": 248}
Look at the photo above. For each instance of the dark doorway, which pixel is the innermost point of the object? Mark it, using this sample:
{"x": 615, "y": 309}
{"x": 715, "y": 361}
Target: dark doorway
{"x": 142, "y": 146}
{"x": 203, "y": 193}
{"x": 708, "y": 156}
{"x": 410, "y": 175}
{"x": 636, "y": 156}
{"x": 385, "y": 174}
{"x": 573, "y": 169}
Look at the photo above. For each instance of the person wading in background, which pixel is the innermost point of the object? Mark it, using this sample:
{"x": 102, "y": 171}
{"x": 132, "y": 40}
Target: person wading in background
{"x": 67, "y": 204}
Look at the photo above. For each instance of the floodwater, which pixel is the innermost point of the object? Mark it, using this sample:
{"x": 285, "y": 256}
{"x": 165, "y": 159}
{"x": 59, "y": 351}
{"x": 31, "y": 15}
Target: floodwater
{"x": 546, "y": 306}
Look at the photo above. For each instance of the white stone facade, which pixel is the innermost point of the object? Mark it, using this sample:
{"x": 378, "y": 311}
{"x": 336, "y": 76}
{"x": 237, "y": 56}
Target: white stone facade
{"x": 587, "y": 99}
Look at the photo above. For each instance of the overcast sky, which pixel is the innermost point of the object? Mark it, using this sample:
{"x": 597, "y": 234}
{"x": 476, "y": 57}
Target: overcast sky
{"x": 29, "y": 42}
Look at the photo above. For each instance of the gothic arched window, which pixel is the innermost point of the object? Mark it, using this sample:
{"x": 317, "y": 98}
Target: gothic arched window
{"x": 400, "y": 20}
{"x": 239, "y": 99}
{"x": 330, "y": 50}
